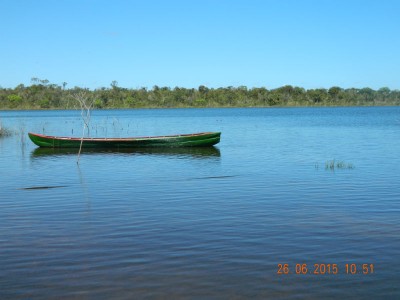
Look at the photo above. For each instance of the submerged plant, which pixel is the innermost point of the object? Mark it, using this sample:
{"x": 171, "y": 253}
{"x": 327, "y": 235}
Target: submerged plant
{"x": 333, "y": 164}
{"x": 4, "y": 131}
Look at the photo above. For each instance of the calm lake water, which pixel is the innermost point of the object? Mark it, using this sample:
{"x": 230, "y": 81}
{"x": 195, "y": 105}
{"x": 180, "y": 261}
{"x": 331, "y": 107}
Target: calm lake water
{"x": 204, "y": 223}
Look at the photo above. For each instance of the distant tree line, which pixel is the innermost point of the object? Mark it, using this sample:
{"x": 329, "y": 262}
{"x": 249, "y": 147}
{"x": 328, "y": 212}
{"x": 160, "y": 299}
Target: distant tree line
{"x": 42, "y": 94}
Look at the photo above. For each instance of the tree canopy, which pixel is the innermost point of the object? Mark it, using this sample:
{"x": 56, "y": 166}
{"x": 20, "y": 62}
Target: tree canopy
{"x": 42, "y": 94}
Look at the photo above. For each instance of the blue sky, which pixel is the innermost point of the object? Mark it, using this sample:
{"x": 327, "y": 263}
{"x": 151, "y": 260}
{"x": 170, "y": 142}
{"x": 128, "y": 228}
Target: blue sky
{"x": 270, "y": 43}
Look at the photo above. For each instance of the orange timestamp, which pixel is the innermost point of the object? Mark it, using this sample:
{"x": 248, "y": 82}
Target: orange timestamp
{"x": 324, "y": 269}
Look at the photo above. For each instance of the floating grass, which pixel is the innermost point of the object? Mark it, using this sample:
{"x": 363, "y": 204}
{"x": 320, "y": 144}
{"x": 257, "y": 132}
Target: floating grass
{"x": 333, "y": 165}
{"x": 4, "y": 131}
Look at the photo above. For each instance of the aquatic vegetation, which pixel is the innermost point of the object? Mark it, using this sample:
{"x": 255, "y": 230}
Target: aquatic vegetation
{"x": 4, "y": 131}
{"x": 333, "y": 164}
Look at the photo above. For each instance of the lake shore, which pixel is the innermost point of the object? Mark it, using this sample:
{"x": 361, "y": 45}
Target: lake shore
{"x": 196, "y": 107}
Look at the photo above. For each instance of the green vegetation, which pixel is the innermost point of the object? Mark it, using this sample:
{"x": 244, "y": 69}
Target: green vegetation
{"x": 4, "y": 131}
{"x": 41, "y": 94}
{"x": 332, "y": 165}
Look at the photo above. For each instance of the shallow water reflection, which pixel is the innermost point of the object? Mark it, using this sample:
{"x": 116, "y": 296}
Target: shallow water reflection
{"x": 189, "y": 152}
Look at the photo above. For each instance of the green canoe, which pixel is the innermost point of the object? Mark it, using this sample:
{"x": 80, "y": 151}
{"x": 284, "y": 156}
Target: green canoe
{"x": 180, "y": 140}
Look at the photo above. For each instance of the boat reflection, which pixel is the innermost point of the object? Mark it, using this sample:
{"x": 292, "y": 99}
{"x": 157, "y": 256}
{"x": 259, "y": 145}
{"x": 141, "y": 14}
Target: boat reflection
{"x": 192, "y": 152}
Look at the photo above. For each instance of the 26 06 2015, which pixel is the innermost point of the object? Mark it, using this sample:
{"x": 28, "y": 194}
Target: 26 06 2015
{"x": 325, "y": 269}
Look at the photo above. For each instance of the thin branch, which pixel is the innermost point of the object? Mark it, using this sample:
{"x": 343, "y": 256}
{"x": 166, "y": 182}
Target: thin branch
{"x": 86, "y": 105}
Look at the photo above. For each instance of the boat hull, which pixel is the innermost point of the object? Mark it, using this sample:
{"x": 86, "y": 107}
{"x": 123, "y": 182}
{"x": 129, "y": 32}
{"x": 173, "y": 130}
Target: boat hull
{"x": 203, "y": 139}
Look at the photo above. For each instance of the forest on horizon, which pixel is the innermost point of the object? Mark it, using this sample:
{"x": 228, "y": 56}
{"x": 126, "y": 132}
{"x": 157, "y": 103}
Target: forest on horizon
{"x": 42, "y": 94}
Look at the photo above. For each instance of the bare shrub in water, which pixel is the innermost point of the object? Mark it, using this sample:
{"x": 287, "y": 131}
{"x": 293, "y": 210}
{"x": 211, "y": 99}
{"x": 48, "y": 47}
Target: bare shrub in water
{"x": 86, "y": 103}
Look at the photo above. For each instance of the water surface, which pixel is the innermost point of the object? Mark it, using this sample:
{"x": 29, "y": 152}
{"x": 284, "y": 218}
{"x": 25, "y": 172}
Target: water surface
{"x": 203, "y": 224}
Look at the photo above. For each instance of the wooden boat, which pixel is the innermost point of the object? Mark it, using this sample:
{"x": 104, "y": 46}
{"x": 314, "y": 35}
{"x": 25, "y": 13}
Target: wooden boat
{"x": 180, "y": 140}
